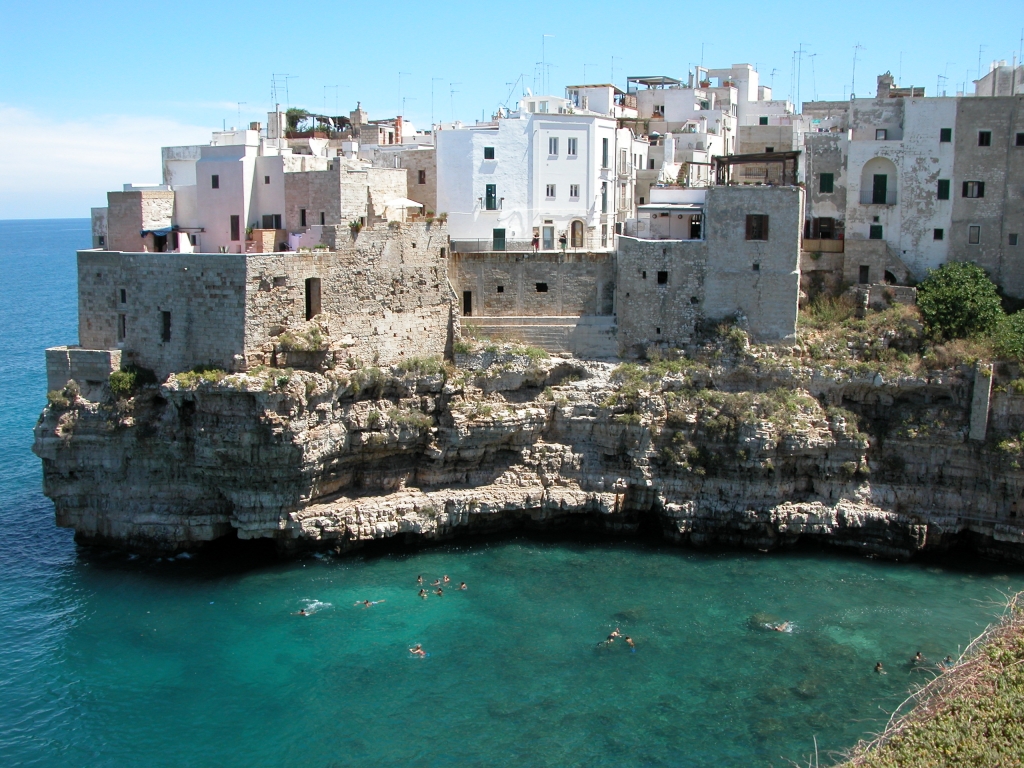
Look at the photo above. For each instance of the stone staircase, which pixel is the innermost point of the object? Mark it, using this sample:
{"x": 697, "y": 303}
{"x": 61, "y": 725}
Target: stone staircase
{"x": 590, "y": 336}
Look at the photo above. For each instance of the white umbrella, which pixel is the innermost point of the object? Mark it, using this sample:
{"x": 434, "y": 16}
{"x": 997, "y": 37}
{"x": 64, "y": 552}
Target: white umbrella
{"x": 402, "y": 202}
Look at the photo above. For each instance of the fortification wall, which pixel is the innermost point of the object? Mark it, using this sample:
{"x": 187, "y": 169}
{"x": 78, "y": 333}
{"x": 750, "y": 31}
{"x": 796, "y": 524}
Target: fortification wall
{"x": 505, "y": 284}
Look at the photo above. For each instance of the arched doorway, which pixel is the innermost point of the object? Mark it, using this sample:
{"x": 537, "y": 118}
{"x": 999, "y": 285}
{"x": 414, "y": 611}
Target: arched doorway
{"x": 878, "y": 182}
{"x": 576, "y": 234}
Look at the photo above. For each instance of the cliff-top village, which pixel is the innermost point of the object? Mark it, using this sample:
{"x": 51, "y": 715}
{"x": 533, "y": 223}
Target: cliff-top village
{"x": 600, "y": 222}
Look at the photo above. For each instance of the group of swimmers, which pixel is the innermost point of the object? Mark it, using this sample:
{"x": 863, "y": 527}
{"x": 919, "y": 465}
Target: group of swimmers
{"x": 919, "y": 660}
{"x": 615, "y": 634}
{"x": 439, "y": 583}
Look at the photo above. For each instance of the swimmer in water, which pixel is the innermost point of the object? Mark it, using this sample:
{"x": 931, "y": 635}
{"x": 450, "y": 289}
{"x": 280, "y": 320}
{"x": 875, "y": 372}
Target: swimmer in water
{"x": 629, "y": 642}
{"x": 446, "y": 579}
{"x": 878, "y": 668}
{"x": 462, "y": 585}
{"x": 948, "y": 661}
{"x": 611, "y": 638}
{"x": 417, "y": 650}
{"x": 435, "y": 583}
{"x": 781, "y": 627}
{"x": 368, "y": 603}
{"x": 918, "y": 658}
{"x": 439, "y": 592}
{"x": 423, "y": 594}
{"x": 419, "y": 580}
{"x": 301, "y": 612}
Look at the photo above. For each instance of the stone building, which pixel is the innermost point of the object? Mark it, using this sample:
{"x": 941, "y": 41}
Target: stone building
{"x": 377, "y": 296}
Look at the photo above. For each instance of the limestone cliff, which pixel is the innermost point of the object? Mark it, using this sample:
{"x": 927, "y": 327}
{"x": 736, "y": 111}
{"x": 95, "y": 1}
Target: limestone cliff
{"x": 759, "y": 452}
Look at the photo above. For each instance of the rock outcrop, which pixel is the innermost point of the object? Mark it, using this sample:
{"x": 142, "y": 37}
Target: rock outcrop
{"x": 757, "y": 455}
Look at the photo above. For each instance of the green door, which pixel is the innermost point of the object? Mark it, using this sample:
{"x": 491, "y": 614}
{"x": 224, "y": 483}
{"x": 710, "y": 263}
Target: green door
{"x": 879, "y": 189}
{"x": 498, "y": 240}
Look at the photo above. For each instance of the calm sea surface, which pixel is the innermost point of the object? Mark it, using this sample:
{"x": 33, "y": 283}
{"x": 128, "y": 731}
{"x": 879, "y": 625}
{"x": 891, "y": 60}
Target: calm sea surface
{"x": 110, "y": 661}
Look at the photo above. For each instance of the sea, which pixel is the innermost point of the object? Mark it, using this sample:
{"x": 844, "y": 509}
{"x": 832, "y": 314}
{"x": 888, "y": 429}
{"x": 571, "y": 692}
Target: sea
{"x": 226, "y": 659}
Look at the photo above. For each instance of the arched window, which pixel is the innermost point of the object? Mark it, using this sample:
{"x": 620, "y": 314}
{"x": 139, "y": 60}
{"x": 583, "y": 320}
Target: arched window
{"x": 878, "y": 182}
{"x": 576, "y": 233}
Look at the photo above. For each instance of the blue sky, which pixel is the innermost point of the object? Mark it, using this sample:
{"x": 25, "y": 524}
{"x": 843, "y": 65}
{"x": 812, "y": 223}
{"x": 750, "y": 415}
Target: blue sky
{"x": 90, "y": 91}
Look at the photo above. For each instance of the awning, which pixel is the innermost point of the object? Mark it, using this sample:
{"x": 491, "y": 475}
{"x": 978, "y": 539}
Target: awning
{"x": 402, "y": 202}
{"x": 162, "y": 232}
{"x": 678, "y": 207}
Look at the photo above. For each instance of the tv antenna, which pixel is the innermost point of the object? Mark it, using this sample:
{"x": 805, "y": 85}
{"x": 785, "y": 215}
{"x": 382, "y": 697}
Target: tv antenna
{"x": 240, "y": 103}
{"x": 853, "y": 77}
{"x": 613, "y": 67}
{"x": 452, "y": 93}
{"x": 814, "y": 79}
{"x": 400, "y": 86}
{"x": 544, "y": 62}
{"x": 432, "y": 81}
{"x": 336, "y": 89}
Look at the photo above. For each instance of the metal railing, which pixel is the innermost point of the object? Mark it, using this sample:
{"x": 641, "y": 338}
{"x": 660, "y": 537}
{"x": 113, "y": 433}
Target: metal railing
{"x": 485, "y": 245}
{"x": 867, "y": 197}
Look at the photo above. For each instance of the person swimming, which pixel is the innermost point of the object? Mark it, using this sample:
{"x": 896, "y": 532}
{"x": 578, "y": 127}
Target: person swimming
{"x": 462, "y": 585}
{"x": 435, "y": 583}
{"x": 629, "y": 642}
{"x": 368, "y": 603}
{"x": 918, "y": 658}
{"x": 419, "y": 579}
{"x": 878, "y": 668}
{"x": 417, "y": 650}
{"x": 783, "y": 627}
{"x": 300, "y": 612}
{"x": 948, "y": 661}
{"x": 423, "y": 594}
{"x": 439, "y": 592}
{"x": 446, "y": 579}
{"x": 611, "y": 637}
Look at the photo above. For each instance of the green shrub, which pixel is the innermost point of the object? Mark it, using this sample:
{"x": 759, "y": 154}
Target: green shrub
{"x": 1008, "y": 336}
{"x": 198, "y": 375}
{"x": 462, "y": 347}
{"x": 958, "y": 300}
{"x": 410, "y": 419}
{"x": 373, "y": 419}
{"x": 58, "y": 399}
{"x": 368, "y": 381}
{"x": 309, "y": 340}
{"x": 422, "y": 366}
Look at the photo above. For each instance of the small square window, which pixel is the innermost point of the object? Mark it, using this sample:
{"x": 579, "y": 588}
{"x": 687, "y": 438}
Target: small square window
{"x": 875, "y": 232}
{"x": 662, "y": 277}
{"x": 215, "y": 181}
{"x": 1020, "y": 140}
{"x": 938, "y": 234}
{"x": 757, "y": 266}
{"x": 266, "y": 179}
{"x": 974, "y": 234}
{"x": 769, "y": 149}
{"x": 501, "y": 289}
{"x": 574, "y": 191}
{"x": 1013, "y": 238}
{"x": 658, "y": 331}
{"x": 570, "y": 147}
{"x": 974, "y": 189}
{"x": 550, "y": 191}
{"x": 757, "y": 226}
{"x": 945, "y": 135}
{"x": 542, "y": 287}
{"x": 553, "y": 145}
{"x": 984, "y": 138}
{"x": 763, "y": 120}
{"x": 881, "y": 134}
{"x": 826, "y": 183}
{"x": 488, "y": 153}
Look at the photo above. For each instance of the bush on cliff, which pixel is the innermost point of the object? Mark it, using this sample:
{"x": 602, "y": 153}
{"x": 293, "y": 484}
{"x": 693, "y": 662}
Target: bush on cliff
{"x": 1008, "y": 337}
{"x": 958, "y": 300}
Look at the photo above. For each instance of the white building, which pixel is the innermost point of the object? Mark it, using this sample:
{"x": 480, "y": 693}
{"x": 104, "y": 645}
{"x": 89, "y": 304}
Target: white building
{"x": 546, "y": 170}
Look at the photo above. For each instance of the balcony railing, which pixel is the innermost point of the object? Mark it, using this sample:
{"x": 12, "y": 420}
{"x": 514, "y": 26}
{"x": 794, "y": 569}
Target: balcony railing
{"x": 486, "y": 245}
{"x": 867, "y": 197}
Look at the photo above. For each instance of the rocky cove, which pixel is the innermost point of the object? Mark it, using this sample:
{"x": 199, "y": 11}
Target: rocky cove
{"x": 739, "y": 445}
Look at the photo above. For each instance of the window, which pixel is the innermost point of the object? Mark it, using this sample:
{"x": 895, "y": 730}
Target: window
{"x": 641, "y": 200}
{"x": 551, "y": 191}
{"x": 421, "y": 177}
{"x": 124, "y": 296}
{"x": 543, "y": 106}
{"x": 323, "y": 218}
{"x": 122, "y": 327}
{"x": 984, "y": 138}
{"x": 542, "y": 287}
{"x": 763, "y": 120}
{"x": 604, "y": 195}
{"x": 662, "y": 278}
{"x": 943, "y": 189}
{"x": 938, "y": 234}
{"x": 1013, "y": 238}
{"x": 574, "y": 191}
{"x": 623, "y": 161}
{"x": 302, "y": 217}
{"x": 604, "y": 237}
{"x": 769, "y": 149}
{"x": 881, "y": 134}
{"x": 756, "y": 266}
{"x": 974, "y": 234}
{"x": 165, "y": 326}
{"x": 974, "y": 189}
{"x": 650, "y": 163}
{"x": 570, "y": 147}
{"x": 945, "y": 135}
{"x": 215, "y": 181}
{"x": 826, "y": 182}
{"x": 865, "y": 274}
{"x": 1020, "y": 140}
{"x": 879, "y": 188}
{"x": 491, "y": 197}
{"x": 553, "y": 145}
{"x": 501, "y": 289}
{"x": 757, "y": 226}
{"x": 266, "y": 179}
{"x": 604, "y": 153}
{"x": 467, "y": 303}
{"x": 488, "y": 153}
{"x": 875, "y": 232}
{"x": 103, "y": 241}
{"x": 312, "y": 297}
{"x": 235, "y": 228}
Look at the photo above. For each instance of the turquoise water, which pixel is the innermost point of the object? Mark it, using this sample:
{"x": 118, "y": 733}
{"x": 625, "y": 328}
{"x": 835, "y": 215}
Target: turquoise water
{"x": 113, "y": 661}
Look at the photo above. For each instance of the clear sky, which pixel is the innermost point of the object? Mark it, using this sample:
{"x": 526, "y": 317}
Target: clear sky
{"x": 90, "y": 91}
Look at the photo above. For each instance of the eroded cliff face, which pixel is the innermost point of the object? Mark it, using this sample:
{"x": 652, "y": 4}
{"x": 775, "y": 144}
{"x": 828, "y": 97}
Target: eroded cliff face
{"x": 760, "y": 454}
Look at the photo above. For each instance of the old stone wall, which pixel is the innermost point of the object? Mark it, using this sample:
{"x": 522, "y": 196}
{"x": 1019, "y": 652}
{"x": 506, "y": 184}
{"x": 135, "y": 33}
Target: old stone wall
{"x": 661, "y": 288}
{"x": 424, "y": 160}
{"x": 758, "y": 138}
{"x": 826, "y": 153}
{"x": 759, "y": 279}
{"x": 130, "y": 212}
{"x": 384, "y": 294}
{"x": 204, "y": 295}
{"x": 336, "y": 196}
{"x": 503, "y": 284}
{"x": 1000, "y": 165}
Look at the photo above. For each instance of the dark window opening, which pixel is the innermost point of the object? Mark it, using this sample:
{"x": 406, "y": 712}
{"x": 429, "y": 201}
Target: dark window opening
{"x": 826, "y": 183}
{"x": 467, "y": 303}
{"x": 984, "y": 138}
{"x": 943, "y": 189}
{"x": 491, "y": 197}
{"x": 974, "y": 189}
{"x": 102, "y": 241}
{"x": 501, "y": 289}
{"x": 124, "y": 296}
{"x": 165, "y": 323}
{"x": 643, "y": 274}
{"x": 757, "y": 226}
{"x": 769, "y": 149}
{"x": 694, "y": 300}
{"x": 1013, "y": 238}
{"x": 938, "y": 234}
{"x": 266, "y": 179}
{"x": 302, "y": 217}
{"x": 865, "y": 274}
{"x": 122, "y": 327}
{"x": 641, "y": 203}
{"x": 312, "y": 297}
{"x": 945, "y": 135}
{"x": 236, "y": 228}
{"x": 542, "y": 287}
{"x": 488, "y": 153}
{"x": 323, "y": 218}
{"x": 763, "y": 120}
{"x": 974, "y": 234}
{"x": 159, "y": 243}
{"x": 498, "y": 239}
{"x": 879, "y": 187}
{"x": 650, "y": 164}
{"x": 695, "y": 222}
{"x": 662, "y": 278}
{"x": 890, "y": 278}
{"x": 421, "y": 178}
{"x": 1020, "y": 140}
{"x": 875, "y": 232}
{"x": 658, "y": 331}
{"x": 215, "y": 181}
{"x": 604, "y": 153}
{"x": 756, "y": 266}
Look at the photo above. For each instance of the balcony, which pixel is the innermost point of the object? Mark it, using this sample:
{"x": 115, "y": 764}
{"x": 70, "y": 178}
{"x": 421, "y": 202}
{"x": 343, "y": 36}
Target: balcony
{"x": 868, "y": 197}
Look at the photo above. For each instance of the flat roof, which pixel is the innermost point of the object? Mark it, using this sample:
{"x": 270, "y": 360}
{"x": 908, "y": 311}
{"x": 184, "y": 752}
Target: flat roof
{"x": 597, "y": 85}
{"x": 651, "y": 80}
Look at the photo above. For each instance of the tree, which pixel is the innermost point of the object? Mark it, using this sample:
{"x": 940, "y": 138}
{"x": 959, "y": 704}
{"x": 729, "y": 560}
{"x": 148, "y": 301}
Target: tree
{"x": 294, "y": 116}
{"x": 1009, "y": 336}
{"x": 958, "y": 300}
